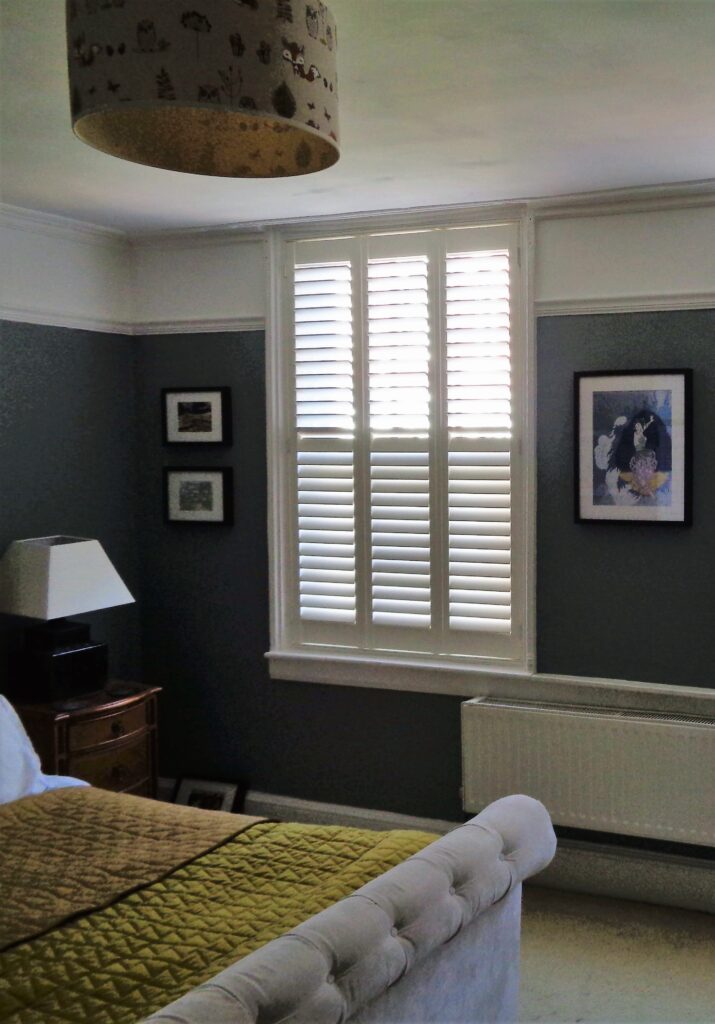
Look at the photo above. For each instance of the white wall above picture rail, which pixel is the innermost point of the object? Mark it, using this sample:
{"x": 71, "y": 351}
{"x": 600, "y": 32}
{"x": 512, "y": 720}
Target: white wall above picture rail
{"x": 63, "y": 273}
{"x": 199, "y": 281}
{"x": 610, "y": 253}
{"x": 631, "y": 259}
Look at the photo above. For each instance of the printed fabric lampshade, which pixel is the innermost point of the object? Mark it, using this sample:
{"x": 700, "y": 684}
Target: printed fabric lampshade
{"x": 232, "y": 88}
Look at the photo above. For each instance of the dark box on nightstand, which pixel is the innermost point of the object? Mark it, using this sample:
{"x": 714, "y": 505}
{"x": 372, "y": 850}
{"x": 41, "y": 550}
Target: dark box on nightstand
{"x": 59, "y": 661}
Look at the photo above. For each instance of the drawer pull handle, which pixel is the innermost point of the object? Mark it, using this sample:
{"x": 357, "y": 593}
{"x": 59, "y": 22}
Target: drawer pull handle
{"x": 118, "y": 773}
{"x": 118, "y": 729}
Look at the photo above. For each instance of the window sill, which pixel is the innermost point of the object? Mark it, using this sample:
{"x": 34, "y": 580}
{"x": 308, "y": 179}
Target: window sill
{"x": 450, "y": 678}
{"x": 392, "y": 672}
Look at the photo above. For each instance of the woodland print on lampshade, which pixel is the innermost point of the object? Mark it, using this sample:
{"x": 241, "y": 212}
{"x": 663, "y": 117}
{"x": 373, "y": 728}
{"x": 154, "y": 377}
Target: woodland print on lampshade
{"x": 234, "y": 88}
{"x": 633, "y": 446}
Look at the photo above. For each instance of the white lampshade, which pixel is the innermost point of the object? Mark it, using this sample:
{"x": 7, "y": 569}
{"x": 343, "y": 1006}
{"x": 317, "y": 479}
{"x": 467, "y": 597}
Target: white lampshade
{"x": 51, "y": 577}
{"x": 233, "y": 88}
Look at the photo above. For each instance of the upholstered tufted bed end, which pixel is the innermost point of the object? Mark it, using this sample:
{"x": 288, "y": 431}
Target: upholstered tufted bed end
{"x": 434, "y": 939}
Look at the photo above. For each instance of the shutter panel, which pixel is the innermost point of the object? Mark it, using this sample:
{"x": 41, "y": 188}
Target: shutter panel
{"x": 399, "y": 397}
{"x": 325, "y": 418}
{"x": 406, "y": 523}
{"x": 479, "y": 426}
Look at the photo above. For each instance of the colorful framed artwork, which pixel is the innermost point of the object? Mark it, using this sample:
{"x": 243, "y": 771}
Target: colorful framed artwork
{"x": 633, "y": 446}
{"x": 196, "y": 416}
{"x": 196, "y": 495}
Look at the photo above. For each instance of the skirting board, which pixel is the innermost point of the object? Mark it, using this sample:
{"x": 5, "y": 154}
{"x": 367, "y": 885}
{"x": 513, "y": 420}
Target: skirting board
{"x": 621, "y": 873}
{"x": 290, "y": 808}
{"x": 595, "y": 868}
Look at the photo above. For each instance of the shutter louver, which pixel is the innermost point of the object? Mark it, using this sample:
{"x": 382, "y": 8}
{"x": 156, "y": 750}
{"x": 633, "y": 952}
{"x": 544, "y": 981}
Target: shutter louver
{"x": 479, "y": 426}
{"x": 399, "y": 350}
{"x": 325, "y": 462}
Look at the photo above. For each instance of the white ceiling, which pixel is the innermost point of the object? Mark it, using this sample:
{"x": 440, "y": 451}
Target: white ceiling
{"x": 442, "y": 102}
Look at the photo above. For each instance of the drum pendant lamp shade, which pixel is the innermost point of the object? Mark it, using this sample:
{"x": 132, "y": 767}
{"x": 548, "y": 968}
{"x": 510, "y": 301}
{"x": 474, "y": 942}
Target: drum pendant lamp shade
{"x": 231, "y": 88}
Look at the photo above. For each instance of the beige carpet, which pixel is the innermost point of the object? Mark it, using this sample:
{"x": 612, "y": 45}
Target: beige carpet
{"x": 588, "y": 959}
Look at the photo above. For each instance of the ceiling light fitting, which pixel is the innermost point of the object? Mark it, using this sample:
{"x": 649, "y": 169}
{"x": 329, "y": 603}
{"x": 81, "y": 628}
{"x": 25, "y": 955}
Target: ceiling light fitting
{"x": 231, "y": 88}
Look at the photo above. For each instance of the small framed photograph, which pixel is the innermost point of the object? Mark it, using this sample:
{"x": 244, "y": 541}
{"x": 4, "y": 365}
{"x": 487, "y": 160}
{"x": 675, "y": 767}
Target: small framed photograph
{"x": 193, "y": 416}
{"x": 194, "y": 495}
{"x": 633, "y": 446}
{"x": 210, "y": 796}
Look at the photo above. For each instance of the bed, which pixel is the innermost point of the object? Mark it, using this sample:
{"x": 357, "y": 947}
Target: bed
{"x": 118, "y": 909}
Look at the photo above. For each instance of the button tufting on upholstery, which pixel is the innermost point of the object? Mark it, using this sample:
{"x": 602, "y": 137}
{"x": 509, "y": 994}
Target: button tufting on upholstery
{"x": 394, "y": 931}
{"x": 452, "y": 890}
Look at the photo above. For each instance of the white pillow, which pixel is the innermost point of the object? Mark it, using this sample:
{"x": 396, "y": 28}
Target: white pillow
{"x": 20, "y": 771}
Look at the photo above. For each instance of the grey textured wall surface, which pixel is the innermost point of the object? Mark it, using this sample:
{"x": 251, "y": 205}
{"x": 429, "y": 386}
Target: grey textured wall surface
{"x": 624, "y": 601}
{"x": 206, "y": 629}
{"x": 68, "y": 459}
{"x": 618, "y": 601}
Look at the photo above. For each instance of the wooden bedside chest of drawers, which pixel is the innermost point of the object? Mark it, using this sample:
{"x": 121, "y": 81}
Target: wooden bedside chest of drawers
{"x": 109, "y": 741}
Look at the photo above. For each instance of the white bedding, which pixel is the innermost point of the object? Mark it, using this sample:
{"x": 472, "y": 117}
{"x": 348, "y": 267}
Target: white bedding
{"x": 20, "y": 771}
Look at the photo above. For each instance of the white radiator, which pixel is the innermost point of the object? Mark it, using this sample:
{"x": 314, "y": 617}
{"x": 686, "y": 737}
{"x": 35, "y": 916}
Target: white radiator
{"x": 628, "y": 772}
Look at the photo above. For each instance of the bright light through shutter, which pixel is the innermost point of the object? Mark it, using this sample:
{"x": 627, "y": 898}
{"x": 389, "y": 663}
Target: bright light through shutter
{"x": 398, "y": 349}
{"x": 479, "y": 426}
{"x": 402, "y": 526}
{"x": 325, "y": 420}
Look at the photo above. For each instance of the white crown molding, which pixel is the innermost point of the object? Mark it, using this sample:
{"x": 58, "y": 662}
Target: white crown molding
{"x": 195, "y": 238}
{"x": 36, "y": 222}
{"x": 646, "y": 199}
{"x": 202, "y": 326}
{"x": 257, "y": 231}
{"x": 74, "y": 321}
{"x": 601, "y": 203}
{"x": 638, "y": 199}
{"x": 625, "y": 304}
{"x": 411, "y": 219}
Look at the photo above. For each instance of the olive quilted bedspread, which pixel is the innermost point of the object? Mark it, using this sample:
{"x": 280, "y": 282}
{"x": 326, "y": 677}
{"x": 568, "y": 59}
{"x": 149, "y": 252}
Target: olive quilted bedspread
{"x": 153, "y": 932}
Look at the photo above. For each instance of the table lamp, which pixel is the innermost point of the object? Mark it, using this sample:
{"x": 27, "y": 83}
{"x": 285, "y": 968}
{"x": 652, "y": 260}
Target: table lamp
{"x": 49, "y": 578}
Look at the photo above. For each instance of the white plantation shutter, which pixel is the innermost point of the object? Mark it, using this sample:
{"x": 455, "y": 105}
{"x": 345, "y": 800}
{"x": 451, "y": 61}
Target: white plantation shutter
{"x": 398, "y": 332}
{"x": 399, "y": 510}
{"x": 407, "y": 526}
{"x": 325, "y": 421}
{"x": 479, "y": 423}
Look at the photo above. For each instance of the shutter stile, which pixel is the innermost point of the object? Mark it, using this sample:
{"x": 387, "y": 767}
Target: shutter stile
{"x": 325, "y": 418}
{"x": 479, "y": 427}
{"x": 399, "y": 397}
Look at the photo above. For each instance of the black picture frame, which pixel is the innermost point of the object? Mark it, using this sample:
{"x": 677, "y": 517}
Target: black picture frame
{"x": 207, "y": 509}
{"x": 186, "y": 427}
{"x": 635, "y": 467}
{"x": 211, "y": 794}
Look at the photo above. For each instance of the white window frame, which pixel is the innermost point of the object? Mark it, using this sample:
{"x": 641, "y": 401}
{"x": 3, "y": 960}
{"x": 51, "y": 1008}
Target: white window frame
{"x": 322, "y": 663}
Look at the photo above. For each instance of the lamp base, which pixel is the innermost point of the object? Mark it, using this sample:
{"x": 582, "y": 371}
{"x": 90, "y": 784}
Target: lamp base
{"x": 60, "y": 662}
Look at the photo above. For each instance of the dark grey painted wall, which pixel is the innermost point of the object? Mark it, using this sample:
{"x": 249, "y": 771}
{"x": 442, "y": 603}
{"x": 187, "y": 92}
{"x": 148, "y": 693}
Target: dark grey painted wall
{"x": 612, "y": 600}
{"x": 622, "y": 601}
{"x": 206, "y": 630}
{"x": 68, "y": 458}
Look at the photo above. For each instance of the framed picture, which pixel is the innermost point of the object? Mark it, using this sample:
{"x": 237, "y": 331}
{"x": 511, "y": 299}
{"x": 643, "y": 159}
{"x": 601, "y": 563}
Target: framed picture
{"x": 194, "y": 495}
{"x": 193, "y": 416}
{"x": 210, "y": 796}
{"x": 633, "y": 446}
